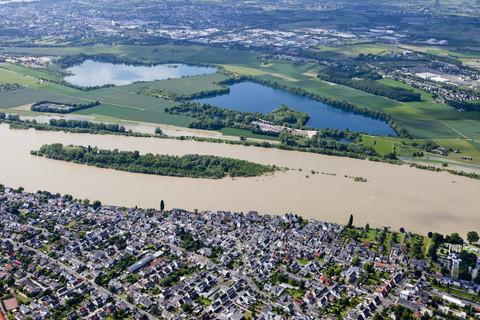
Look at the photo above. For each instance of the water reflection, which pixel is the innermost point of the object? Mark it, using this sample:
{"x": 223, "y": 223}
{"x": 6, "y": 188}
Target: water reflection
{"x": 92, "y": 73}
{"x": 250, "y": 96}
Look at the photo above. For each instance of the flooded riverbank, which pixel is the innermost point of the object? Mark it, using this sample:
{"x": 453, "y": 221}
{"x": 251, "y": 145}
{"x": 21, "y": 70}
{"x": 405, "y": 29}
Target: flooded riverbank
{"x": 397, "y": 196}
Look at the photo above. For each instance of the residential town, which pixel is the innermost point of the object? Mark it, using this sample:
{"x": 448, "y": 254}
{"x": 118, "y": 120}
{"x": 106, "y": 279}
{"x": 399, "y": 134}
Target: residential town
{"x": 67, "y": 258}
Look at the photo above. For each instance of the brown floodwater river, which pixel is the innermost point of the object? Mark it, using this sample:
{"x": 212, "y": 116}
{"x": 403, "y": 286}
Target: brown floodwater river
{"x": 396, "y": 196}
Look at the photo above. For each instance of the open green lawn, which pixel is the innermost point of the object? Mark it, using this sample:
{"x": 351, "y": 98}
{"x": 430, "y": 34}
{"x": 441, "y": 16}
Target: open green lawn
{"x": 371, "y": 235}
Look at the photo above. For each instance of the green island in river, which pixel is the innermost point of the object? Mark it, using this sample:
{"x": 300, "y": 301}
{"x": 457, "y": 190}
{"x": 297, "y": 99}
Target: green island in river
{"x": 190, "y": 165}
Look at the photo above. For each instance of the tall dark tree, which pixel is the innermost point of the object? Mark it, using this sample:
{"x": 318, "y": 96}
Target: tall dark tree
{"x": 350, "y": 221}
{"x": 96, "y": 204}
{"x": 162, "y": 205}
{"x": 472, "y": 237}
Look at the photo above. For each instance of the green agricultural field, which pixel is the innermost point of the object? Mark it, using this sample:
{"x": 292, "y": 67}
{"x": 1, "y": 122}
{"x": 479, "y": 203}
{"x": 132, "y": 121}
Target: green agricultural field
{"x": 122, "y": 98}
{"x": 25, "y": 96}
{"x": 370, "y": 236}
{"x": 365, "y": 48}
{"x": 30, "y": 72}
{"x": 246, "y": 133}
{"x": 424, "y": 120}
{"x": 7, "y": 76}
{"x": 468, "y": 128}
{"x": 57, "y": 88}
{"x": 465, "y": 149}
{"x": 186, "y": 85}
{"x": 108, "y": 110}
{"x": 153, "y": 116}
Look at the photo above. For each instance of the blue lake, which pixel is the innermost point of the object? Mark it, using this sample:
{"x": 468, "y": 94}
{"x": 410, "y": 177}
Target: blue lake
{"x": 92, "y": 73}
{"x": 254, "y": 97}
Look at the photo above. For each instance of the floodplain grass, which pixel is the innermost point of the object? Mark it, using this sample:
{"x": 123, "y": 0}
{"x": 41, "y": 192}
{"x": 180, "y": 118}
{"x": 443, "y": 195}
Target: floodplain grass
{"x": 380, "y": 145}
{"x": 246, "y": 133}
{"x": 7, "y": 76}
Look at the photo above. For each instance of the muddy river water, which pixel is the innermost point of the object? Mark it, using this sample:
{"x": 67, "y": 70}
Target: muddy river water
{"x": 396, "y": 196}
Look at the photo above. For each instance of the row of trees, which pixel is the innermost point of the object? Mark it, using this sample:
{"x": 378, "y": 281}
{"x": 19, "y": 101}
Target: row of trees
{"x": 56, "y": 107}
{"x": 83, "y": 124}
{"x": 9, "y": 86}
{"x": 206, "y": 116}
{"x": 194, "y": 166}
{"x": 153, "y": 92}
{"x": 283, "y": 115}
{"x": 462, "y": 105}
{"x": 363, "y": 80}
{"x": 71, "y": 60}
{"x": 344, "y": 105}
{"x": 322, "y": 143}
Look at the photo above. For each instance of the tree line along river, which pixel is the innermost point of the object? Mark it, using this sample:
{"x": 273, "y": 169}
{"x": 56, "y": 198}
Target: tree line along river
{"x": 397, "y": 196}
